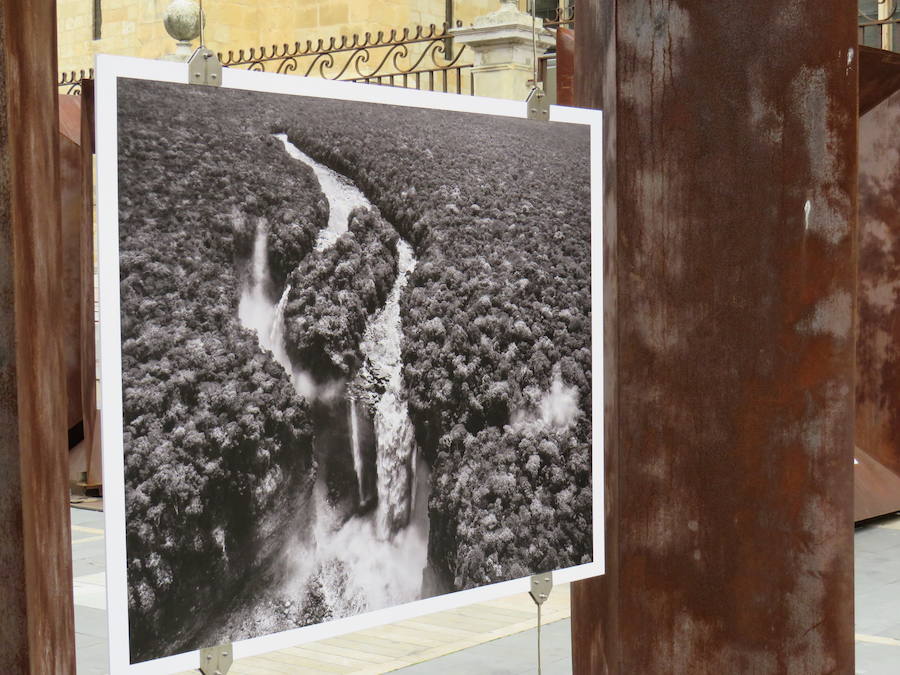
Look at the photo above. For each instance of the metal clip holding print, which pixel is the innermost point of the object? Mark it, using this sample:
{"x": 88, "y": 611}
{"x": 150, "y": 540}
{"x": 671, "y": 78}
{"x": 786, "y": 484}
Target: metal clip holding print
{"x": 216, "y": 660}
{"x": 204, "y": 67}
{"x": 541, "y": 585}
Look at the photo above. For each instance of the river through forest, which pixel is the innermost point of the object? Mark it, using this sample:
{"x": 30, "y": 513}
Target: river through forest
{"x": 367, "y": 551}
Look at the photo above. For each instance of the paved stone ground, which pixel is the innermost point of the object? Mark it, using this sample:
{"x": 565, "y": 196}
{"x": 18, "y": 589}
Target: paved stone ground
{"x": 877, "y": 613}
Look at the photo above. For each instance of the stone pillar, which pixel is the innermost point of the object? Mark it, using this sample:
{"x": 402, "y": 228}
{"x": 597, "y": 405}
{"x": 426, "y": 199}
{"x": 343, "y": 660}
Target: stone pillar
{"x": 503, "y": 45}
{"x": 36, "y": 622}
{"x": 730, "y": 236}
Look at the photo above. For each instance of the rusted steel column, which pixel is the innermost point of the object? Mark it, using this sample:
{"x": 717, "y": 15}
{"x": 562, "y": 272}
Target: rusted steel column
{"x": 88, "y": 344}
{"x": 878, "y": 341}
{"x": 565, "y": 66}
{"x": 729, "y": 443}
{"x": 36, "y": 624}
{"x": 76, "y": 185}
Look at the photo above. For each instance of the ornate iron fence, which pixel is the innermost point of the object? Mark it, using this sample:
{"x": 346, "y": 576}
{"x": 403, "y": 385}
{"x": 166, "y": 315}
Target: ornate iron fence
{"x": 424, "y": 58}
{"x": 70, "y": 82}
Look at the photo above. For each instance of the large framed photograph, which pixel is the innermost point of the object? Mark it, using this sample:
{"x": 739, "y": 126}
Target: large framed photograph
{"x": 351, "y": 351}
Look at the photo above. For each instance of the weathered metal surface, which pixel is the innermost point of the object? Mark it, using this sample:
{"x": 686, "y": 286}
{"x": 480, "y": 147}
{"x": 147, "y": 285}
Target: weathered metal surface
{"x": 595, "y": 619}
{"x": 729, "y": 455}
{"x": 879, "y": 76}
{"x": 76, "y": 183}
{"x": 876, "y": 489}
{"x": 88, "y": 325}
{"x": 565, "y": 66}
{"x": 878, "y": 339}
{"x": 70, "y": 161}
{"x": 36, "y": 624}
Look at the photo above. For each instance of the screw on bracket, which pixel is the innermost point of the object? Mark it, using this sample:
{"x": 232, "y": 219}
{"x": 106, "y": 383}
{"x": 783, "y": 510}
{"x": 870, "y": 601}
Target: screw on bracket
{"x": 204, "y": 68}
{"x": 541, "y": 585}
{"x": 216, "y": 660}
{"x": 538, "y": 104}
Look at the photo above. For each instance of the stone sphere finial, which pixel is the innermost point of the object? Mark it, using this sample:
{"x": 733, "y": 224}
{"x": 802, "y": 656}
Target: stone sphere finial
{"x": 182, "y": 20}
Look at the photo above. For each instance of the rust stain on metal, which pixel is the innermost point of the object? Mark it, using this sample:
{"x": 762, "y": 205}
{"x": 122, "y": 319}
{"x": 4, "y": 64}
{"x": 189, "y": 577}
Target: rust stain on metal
{"x": 878, "y": 341}
{"x": 37, "y": 624}
{"x": 730, "y": 481}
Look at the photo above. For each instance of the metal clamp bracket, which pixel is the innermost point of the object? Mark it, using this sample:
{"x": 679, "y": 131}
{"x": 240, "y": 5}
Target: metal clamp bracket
{"x": 204, "y": 68}
{"x": 541, "y": 585}
{"x": 216, "y": 660}
{"x": 538, "y": 109}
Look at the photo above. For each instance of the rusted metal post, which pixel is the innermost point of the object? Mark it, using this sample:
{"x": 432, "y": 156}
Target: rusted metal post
{"x": 36, "y": 624}
{"x": 731, "y": 246}
{"x": 878, "y": 361}
{"x": 565, "y": 66}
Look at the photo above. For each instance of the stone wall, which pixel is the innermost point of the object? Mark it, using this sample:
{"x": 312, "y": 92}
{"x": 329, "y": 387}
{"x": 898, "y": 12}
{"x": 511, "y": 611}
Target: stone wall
{"x": 135, "y": 27}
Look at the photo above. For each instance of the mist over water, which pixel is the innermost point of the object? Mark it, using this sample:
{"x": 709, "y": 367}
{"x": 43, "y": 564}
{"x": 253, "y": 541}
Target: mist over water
{"x": 368, "y": 558}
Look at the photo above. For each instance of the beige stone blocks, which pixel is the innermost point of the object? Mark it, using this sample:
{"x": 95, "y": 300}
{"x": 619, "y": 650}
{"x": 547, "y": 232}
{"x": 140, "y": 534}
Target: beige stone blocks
{"x": 134, "y": 27}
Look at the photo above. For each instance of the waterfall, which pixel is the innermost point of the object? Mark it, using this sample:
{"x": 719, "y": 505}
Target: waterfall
{"x": 396, "y": 451}
{"x": 255, "y": 309}
{"x": 355, "y": 447}
{"x": 367, "y": 559}
{"x": 395, "y": 442}
{"x": 276, "y": 333}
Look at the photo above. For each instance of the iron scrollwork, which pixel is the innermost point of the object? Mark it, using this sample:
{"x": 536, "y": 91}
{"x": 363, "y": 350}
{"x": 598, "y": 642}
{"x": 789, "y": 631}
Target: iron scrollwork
{"x": 562, "y": 17}
{"x": 421, "y": 58}
{"x": 70, "y": 82}
{"x": 398, "y": 58}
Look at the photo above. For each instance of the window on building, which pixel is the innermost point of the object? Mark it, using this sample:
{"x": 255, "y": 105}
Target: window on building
{"x": 98, "y": 19}
{"x": 544, "y": 9}
{"x": 879, "y": 21}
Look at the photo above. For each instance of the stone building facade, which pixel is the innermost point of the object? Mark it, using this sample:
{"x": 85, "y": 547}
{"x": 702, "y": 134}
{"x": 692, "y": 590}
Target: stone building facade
{"x": 135, "y": 27}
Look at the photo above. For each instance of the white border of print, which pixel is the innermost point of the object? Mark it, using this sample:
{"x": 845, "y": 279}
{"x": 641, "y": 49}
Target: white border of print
{"x": 108, "y": 69}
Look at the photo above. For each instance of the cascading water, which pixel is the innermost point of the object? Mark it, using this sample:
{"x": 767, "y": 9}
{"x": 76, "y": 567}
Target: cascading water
{"x": 276, "y": 331}
{"x": 371, "y": 559}
{"x": 356, "y": 449}
{"x": 394, "y": 436}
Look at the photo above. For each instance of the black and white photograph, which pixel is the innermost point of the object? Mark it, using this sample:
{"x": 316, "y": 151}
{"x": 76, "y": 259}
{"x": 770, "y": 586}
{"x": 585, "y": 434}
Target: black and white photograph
{"x": 356, "y": 357}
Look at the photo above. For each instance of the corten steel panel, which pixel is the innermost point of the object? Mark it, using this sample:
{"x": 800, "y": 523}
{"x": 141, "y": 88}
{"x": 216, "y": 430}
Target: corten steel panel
{"x": 595, "y": 620}
{"x": 88, "y": 326}
{"x": 730, "y": 546}
{"x": 70, "y": 164}
{"x": 879, "y": 76}
{"x": 565, "y": 66}
{"x": 878, "y": 340}
{"x": 76, "y": 180}
{"x": 36, "y": 624}
{"x": 875, "y": 488}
